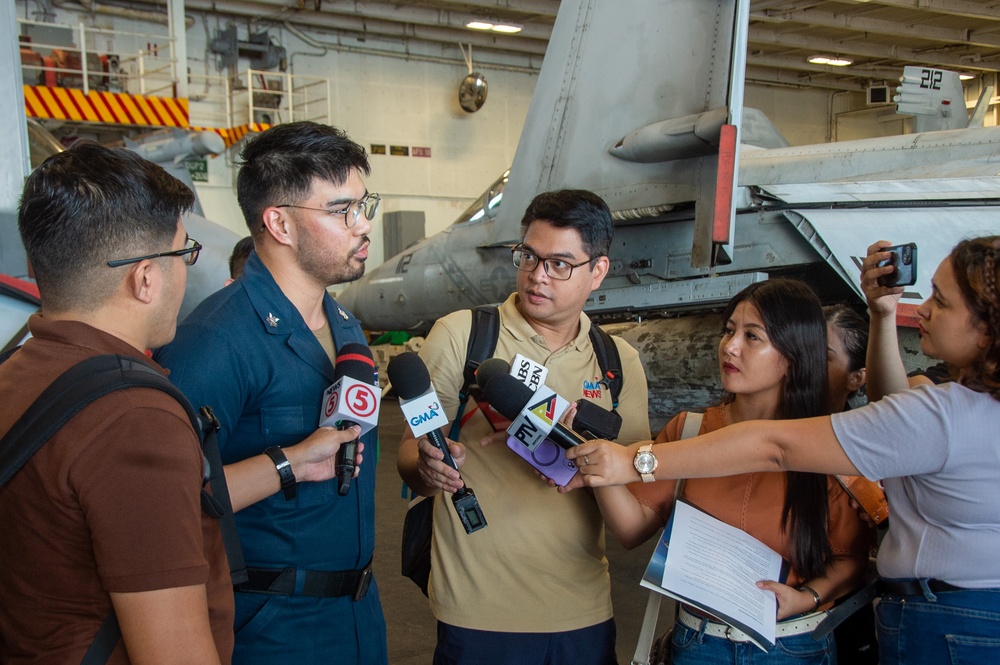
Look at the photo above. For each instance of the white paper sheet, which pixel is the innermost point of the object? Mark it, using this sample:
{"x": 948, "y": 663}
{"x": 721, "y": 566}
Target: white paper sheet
{"x": 715, "y": 566}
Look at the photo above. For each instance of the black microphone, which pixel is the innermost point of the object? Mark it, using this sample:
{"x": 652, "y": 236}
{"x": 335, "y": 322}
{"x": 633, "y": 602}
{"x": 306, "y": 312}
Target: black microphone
{"x": 591, "y": 420}
{"x": 594, "y": 422}
{"x": 510, "y": 398}
{"x": 490, "y": 368}
{"x": 423, "y": 412}
{"x": 354, "y": 361}
{"x": 411, "y": 380}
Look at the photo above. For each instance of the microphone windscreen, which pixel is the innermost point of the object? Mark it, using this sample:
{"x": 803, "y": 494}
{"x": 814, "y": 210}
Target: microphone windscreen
{"x": 355, "y": 361}
{"x": 490, "y": 368}
{"x": 408, "y": 375}
{"x": 507, "y": 395}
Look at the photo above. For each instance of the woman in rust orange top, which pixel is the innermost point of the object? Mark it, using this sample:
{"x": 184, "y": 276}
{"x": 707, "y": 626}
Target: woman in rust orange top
{"x": 773, "y": 363}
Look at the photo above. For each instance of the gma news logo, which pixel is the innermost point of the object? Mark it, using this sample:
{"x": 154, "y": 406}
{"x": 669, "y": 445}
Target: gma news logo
{"x": 432, "y": 411}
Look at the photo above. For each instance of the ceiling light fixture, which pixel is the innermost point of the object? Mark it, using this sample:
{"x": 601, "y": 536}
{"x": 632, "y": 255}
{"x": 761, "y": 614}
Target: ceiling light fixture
{"x": 494, "y": 26}
{"x": 832, "y": 60}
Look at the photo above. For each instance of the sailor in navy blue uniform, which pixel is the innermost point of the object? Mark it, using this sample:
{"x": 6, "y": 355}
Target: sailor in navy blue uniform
{"x": 261, "y": 352}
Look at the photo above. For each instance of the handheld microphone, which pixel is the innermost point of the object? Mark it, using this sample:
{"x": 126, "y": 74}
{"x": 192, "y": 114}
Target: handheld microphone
{"x": 353, "y": 399}
{"x": 490, "y": 368}
{"x": 533, "y": 415}
{"x": 486, "y": 371}
{"x": 595, "y": 422}
{"x": 591, "y": 420}
{"x": 423, "y": 412}
{"x": 418, "y": 401}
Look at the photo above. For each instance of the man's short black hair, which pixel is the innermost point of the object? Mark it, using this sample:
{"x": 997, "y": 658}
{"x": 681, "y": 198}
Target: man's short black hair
{"x": 241, "y": 251}
{"x": 89, "y": 205}
{"x": 279, "y": 166}
{"x": 576, "y": 209}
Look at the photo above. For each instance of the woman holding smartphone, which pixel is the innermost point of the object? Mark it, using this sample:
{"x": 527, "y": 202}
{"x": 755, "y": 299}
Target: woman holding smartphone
{"x": 772, "y": 358}
{"x": 934, "y": 447}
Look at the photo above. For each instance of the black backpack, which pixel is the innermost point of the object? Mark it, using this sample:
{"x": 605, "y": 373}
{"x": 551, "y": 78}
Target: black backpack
{"x": 483, "y": 342}
{"x": 76, "y": 388}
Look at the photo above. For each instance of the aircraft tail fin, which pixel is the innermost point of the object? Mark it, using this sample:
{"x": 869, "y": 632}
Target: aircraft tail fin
{"x": 934, "y": 97}
{"x": 611, "y": 71}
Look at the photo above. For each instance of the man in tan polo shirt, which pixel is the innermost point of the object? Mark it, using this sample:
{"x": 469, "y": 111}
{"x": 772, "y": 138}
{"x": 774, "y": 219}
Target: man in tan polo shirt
{"x": 532, "y": 588}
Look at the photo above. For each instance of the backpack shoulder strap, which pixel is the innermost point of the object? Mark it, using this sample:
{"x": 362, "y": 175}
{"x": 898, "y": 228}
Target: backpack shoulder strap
{"x": 483, "y": 338}
{"x": 609, "y": 360}
{"x": 87, "y": 382}
{"x": 692, "y": 425}
{"x": 69, "y": 394}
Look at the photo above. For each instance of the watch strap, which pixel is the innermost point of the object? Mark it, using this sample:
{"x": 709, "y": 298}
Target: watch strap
{"x": 284, "y": 468}
{"x": 648, "y": 477}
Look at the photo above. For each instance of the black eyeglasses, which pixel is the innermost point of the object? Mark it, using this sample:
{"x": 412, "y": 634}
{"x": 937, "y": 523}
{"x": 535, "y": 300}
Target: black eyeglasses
{"x": 554, "y": 268}
{"x": 367, "y": 205}
{"x": 189, "y": 254}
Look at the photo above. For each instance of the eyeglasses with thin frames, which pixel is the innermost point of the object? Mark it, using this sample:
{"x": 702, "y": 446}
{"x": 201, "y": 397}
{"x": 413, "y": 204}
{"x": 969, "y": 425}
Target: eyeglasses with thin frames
{"x": 525, "y": 261}
{"x": 189, "y": 253}
{"x": 367, "y": 205}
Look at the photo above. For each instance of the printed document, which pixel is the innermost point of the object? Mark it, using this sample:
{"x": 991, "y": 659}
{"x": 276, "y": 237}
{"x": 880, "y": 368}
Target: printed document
{"x": 711, "y": 565}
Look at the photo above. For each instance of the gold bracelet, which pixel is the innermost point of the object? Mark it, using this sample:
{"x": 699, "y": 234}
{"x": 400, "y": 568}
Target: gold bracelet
{"x": 816, "y": 597}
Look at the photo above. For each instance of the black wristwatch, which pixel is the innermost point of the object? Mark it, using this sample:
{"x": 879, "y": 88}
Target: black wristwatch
{"x": 284, "y": 468}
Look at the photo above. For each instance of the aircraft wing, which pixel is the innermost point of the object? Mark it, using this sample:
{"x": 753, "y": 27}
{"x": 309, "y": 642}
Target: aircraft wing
{"x": 842, "y": 236}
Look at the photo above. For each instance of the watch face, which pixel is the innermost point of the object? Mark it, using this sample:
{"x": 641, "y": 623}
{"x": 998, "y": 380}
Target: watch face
{"x": 645, "y": 462}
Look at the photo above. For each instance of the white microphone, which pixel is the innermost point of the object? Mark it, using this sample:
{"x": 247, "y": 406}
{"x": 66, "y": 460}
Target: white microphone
{"x": 353, "y": 399}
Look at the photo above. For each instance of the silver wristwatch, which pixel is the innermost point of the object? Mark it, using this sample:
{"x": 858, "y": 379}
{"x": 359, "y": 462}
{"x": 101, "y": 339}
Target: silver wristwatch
{"x": 645, "y": 463}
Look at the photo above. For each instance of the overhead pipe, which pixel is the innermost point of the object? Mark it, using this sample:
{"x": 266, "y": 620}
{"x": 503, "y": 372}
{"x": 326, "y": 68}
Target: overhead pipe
{"x": 436, "y": 33}
{"x": 133, "y": 14}
{"x": 337, "y": 46}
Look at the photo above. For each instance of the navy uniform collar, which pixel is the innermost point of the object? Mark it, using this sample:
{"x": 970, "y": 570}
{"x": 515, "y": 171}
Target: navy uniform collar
{"x": 279, "y": 317}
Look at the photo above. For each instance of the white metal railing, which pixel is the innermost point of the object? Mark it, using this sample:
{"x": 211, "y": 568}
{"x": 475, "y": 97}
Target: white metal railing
{"x": 275, "y": 97}
{"x": 209, "y": 101}
{"x": 85, "y": 57}
{"x": 89, "y": 58}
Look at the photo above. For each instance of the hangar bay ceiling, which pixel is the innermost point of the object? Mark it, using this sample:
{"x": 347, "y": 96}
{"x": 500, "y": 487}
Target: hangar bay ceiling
{"x": 878, "y": 36}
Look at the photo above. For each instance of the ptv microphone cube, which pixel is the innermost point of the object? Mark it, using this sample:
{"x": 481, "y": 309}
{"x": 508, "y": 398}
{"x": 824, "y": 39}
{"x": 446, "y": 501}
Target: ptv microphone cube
{"x": 533, "y": 424}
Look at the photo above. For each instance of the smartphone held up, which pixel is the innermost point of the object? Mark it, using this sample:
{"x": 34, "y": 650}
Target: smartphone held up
{"x": 904, "y": 259}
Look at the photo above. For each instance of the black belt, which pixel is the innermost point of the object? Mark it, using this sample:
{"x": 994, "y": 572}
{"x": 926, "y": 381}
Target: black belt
{"x": 317, "y": 583}
{"x": 836, "y": 615}
{"x": 914, "y": 588}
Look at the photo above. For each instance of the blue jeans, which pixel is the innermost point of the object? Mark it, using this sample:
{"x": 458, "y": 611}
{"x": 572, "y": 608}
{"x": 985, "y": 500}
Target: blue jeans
{"x": 692, "y": 647}
{"x": 957, "y": 627}
{"x": 594, "y": 645}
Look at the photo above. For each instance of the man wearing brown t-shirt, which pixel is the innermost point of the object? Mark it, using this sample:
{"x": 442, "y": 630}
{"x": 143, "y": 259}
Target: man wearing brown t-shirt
{"x": 107, "y": 515}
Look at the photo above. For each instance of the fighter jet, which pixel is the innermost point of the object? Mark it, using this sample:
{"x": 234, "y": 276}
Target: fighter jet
{"x": 644, "y": 107}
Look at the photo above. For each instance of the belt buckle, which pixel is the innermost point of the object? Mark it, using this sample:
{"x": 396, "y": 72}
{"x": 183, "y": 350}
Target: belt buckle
{"x": 729, "y": 636}
{"x": 366, "y": 579}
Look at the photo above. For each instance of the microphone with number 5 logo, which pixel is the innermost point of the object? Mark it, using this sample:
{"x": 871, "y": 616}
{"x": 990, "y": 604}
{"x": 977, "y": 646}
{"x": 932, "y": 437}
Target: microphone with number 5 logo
{"x": 353, "y": 399}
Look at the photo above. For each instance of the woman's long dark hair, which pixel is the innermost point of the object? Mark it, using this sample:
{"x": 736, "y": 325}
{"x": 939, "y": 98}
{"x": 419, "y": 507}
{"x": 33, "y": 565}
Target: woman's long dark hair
{"x": 978, "y": 275}
{"x": 796, "y": 327}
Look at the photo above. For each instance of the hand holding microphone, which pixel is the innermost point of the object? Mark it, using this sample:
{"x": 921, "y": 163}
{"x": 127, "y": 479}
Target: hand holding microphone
{"x": 424, "y": 414}
{"x": 352, "y": 401}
